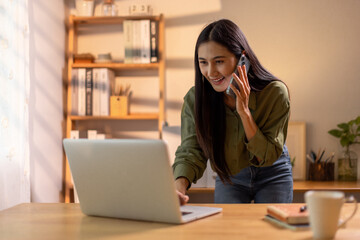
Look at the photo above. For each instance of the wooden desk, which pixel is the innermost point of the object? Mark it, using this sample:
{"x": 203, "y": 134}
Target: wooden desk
{"x": 65, "y": 221}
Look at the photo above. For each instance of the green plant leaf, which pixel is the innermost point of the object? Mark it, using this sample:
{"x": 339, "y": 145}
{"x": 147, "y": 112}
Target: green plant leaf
{"x": 348, "y": 133}
{"x": 293, "y": 161}
{"x": 344, "y": 141}
{"x": 351, "y": 138}
{"x": 335, "y": 132}
{"x": 357, "y": 120}
{"x": 344, "y": 126}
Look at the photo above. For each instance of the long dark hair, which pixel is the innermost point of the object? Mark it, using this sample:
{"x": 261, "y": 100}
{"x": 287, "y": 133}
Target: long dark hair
{"x": 209, "y": 105}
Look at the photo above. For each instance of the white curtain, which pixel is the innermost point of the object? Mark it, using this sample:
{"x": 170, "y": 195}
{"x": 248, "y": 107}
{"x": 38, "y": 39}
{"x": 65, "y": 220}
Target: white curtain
{"x": 14, "y": 98}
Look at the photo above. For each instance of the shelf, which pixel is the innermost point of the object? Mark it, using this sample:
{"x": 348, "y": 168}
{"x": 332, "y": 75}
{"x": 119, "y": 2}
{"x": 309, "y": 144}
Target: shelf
{"x": 303, "y": 186}
{"x": 124, "y": 66}
{"x": 133, "y": 116}
{"x": 110, "y": 20}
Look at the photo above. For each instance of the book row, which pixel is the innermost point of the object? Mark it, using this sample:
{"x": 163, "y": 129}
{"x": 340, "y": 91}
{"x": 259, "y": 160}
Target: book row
{"x": 141, "y": 41}
{"x": 91, "y": 90}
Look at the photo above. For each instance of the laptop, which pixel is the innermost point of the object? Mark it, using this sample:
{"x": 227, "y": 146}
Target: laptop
{"x": 129, "y": 179}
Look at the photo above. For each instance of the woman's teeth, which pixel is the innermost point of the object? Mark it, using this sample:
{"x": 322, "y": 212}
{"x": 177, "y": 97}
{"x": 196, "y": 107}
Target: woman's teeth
{"x": 218, "y": 80}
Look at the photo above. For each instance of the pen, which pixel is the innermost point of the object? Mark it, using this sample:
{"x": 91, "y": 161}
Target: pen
{"x": 303, "y": 208}
{"x": 331, "y": 157}
{"x": 322, "y": 154}
{"x": 309, "y": 158}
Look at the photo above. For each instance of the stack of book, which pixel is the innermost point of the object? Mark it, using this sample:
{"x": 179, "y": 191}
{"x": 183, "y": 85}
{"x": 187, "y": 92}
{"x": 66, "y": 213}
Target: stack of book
{"x": 91, "y": 91}
{"x": 141, "y": 41}
{"x": 291, "y": 216}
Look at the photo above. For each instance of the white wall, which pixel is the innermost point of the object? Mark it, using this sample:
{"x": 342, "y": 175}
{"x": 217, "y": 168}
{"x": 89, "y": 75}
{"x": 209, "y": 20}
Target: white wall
{"x": 47, "y": 54}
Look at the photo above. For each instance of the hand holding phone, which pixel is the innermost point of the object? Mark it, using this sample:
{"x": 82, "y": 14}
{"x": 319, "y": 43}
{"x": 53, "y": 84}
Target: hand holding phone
{"x": 242, "y": 61}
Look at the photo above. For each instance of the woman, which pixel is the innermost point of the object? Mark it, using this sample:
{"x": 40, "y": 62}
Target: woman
{"x": 242, "y": 136}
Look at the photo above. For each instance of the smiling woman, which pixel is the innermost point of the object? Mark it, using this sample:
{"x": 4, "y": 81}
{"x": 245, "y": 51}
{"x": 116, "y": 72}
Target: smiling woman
{"x": 14, "y": 95}
{"x": 243, "y": 136}
{"x": 217, "y": 64}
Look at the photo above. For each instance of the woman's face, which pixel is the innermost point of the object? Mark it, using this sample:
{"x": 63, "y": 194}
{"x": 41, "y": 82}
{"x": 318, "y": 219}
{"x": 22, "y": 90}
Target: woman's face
{"x": 216, "y": 64}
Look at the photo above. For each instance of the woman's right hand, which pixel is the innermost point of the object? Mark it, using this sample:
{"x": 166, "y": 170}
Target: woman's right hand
{"x": 182, "y": 198}
{"x": 181, "y": 185}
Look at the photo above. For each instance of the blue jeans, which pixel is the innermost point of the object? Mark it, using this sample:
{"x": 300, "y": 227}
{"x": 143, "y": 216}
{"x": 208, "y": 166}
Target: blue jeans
{"x": 273, "y": 184}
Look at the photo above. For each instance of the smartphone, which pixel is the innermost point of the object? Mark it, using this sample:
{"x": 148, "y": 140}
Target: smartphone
{"x": 242, "y": 61}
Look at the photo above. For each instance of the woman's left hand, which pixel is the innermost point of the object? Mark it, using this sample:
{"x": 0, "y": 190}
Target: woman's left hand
{"x": 242, "y": 102}
{"x": 243, "y": 93}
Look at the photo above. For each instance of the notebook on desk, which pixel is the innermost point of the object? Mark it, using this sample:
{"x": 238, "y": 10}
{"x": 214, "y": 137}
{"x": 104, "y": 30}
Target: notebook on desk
{"x": 128, "y": 178}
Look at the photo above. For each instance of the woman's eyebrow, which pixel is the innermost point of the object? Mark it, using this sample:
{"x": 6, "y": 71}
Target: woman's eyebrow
{"x": 214, "y": 58}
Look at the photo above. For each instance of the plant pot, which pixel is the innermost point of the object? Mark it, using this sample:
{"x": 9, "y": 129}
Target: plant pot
{"x": 347, "y": 166}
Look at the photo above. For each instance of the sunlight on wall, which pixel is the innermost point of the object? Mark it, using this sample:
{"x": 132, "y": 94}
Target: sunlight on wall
{"x": 14, "y": 104}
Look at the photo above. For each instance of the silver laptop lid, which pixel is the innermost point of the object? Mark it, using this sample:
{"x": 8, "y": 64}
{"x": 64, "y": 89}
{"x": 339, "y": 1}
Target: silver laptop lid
{"x": 124, "y": 178}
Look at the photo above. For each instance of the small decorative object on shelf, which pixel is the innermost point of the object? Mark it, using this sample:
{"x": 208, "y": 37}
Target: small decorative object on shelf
{"x": 104, "y": 58}
{"x": 109, "y": 8}
{"x": 83, "y": 58}
{"x": 85, "y": 7}
{"x": 349, "y": 134}
{"x": 140, "y": 10}
{"x": 321, "y": 168}
{"x": 120, "y": 102}
{"x": 119, "y": 106}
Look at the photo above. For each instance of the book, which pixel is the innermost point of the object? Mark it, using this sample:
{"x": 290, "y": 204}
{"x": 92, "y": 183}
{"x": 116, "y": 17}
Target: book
{"x": 281, "y": 224}
{"x": 289, "y": 213}
{"x": 81, "y": 92}
{"x": 154, "y": 35}
{"x": 107, "y": 78}
{"x": 96, "y": 93}
{"x": 89, "y": 89}
{"x": 128, "y": 40}
{"x": 136, "y": 49}
{"x": 74, "y": 91}
{"x": 145, "y": 41}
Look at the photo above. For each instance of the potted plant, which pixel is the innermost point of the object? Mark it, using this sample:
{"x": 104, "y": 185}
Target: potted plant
{"x": 349, "y": 133}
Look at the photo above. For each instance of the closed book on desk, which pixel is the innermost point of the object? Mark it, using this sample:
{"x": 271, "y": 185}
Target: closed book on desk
{"x": 289, "y": 213}
{"x": 281, "y": 224}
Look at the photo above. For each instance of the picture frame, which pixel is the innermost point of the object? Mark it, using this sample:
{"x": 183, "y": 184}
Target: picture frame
{"x": 296, "y": 143}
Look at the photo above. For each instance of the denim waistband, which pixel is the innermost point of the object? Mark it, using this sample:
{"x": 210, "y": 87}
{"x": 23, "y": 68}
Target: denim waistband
{"x": 280, "y": 169}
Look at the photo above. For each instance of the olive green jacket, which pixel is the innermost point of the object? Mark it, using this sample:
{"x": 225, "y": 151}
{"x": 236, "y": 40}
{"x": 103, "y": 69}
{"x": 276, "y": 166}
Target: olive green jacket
{"x": 270, "y": 109}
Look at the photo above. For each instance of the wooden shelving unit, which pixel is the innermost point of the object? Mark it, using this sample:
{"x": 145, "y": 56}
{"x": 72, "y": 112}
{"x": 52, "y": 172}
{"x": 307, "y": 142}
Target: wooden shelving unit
{"x": 73, "y": 25}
